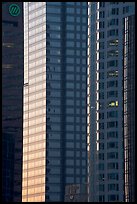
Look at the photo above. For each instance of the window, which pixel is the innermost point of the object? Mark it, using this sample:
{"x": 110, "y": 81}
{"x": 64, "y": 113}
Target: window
{"x": 51, "y": 18}
{"x": 101, "y": 14}
{"x": 101, "y": 146}
{"x": 101, "y": 105}
{"x": 101, "y": 75}
{"x": 113, "y": 104}
{"x": 102, "y": 4}
{"x": 113, "y": 22}
{"x": 111, "y": 145}
{"x": 101, "y": 35}
{"x": 101, "y": 156}
{"x": 101, "y": 85}
{"x": 101, "y": 125}
{"x": 101, "y": 95}
{"x": 101, "y": 24}
{"x": 113, "y": 186}
{"x": 112, "y": 155}
{"x": 112, "y": 43}
{"x": 70, "y": 43}
{"x": 113, "y": 53}
{"x": 70, "y": 35}
{"x": 112, "y": 124}
{"x": 70, "y": 19}
{"x": 113, "y": 176}
{"x": 101, "y": 135}
{"x": 101, "y": 65}
{"x": 112, "y": 114}
{"x": 70, "y": 10}
{"x": 101, "y": 198}
{"x": 53, "y": 10}
{"x": 112, "y": 94}
{"x": 70, "y": 60}
{"x": 112, "y": 165}
{"x": 69, "y": 52}
{"x": 113, "y": 197}
{"x": 113, "y": 32}
{"x": 101, "y": 45}
{"x": 112, "y": 63}
{"x": 113, "y": 83}
{"x": 112, "y": 134}
{"x": 125, "y": 9}
{"x": 101, "y": 116}
{"x": 101, "y": 55}
{"x": 100, "y": 177}
{"x": 100, "y": 166}
{"x": 115, "y": 11}
{"x": 70, "y": 27}
{"x": 101, "y": 187}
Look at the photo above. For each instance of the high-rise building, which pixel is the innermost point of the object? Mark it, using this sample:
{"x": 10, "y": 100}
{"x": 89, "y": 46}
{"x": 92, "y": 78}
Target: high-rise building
{"x": 129, "y": 108}
{"x": 55, "y": 99}
{"x": 12, "y": 100}
{"x": 106, "y": 33}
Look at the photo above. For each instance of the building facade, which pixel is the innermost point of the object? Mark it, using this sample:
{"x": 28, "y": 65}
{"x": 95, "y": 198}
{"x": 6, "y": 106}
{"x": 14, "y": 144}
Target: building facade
{"x": 55, "y": 98}
{"x": 129, "y": 108}
{"x": 105, "y": 99}
{"x": 12, "y": 100}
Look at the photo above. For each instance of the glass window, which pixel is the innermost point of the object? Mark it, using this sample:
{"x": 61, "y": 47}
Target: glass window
{"x": 100, "y": 166}
{"x": 70, "y": 43}
{"x": 112, "y": 124}
{"x": 113, "y": 43}
{"x": 70, "y": 10}
{"x": 70, "y": 27}
{"x": 101, "y": 156}
{"x": 53, "y": 10}
{"x": 101, "y": 187}
{"x": 113, "y": 197}
{"x": 70, "y": 52}
{"x": 52, "y": 18}
{"x": 101, "y": 135}
{"x": 101, "y": 198}
{"x": 113, "y": 186}
{"x": 69, "y": 180}
{"x": 78, "y": 19}
{"x": 113, "y": 104}
{"x": 78, "y": 27}
{"x": 69, "y": 162}
{"x": 112, "y": 165}
{"x": 112, "y": 155}
{"x": 113, "y": 83}
{"x": 70, "y": 19}
{"x": 70, "y": 127}
{"x": 70, "y": 60}
{"x": 69, "y": 170}
{"x": 112, "y": 114}
{"x": 112, "y": 134}
{"x": 70, "y": 35}
{"x": 111, "y": 94}
{"x": 113, "y": 176}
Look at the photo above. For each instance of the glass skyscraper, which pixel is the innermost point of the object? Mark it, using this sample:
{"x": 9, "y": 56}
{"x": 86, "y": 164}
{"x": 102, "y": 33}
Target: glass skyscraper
{"x": 12, "y": 101}
{"x": 55, "y": 99}
{"x": 106, "y": 102}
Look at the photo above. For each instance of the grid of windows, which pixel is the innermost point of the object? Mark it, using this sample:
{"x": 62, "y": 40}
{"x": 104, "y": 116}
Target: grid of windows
{"x": 106, "y": 68}
{"x": 56, "y": 96}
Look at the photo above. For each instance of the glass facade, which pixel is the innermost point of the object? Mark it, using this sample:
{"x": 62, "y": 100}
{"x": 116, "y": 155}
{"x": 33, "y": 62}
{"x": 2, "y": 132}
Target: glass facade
{"x": 34, "y": 108}
{"x": 12, "y": 103}
{"x": 55, "y": 97}
{"x": 106, "y": 33}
